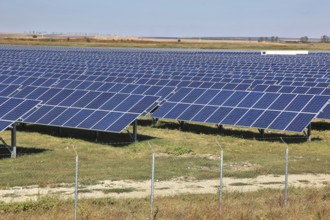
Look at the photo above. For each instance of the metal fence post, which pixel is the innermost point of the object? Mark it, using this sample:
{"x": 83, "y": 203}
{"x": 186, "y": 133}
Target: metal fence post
{"x": 286, "y": 187}
{"x": 152, "y": 186}
{"x": 286, "y": 176}
{"x": 76, "y": 190}
{"x": 220, "y": 188}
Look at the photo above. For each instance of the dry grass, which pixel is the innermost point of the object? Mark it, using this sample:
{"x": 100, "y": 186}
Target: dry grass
{"x": 264, "y": 204}
{"x": 157, "y": 43}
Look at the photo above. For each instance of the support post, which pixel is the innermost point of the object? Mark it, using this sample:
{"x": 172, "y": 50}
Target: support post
{"x": 221, "y": 181}
{"x": 286, "y": 176}
{"x": 97, "y": 134}
{"x": 59, "y": 131}
{"x": 154, "y": 121}
{"x": 135, "y": 131}
{"x": 181, "y": 123}
{"x": 221, "y": 129}
{"x": 76, "y": 189}
{"x": 23, "y": 126}
{"x": 152, "y": 187}
{"x": 262, "y": 133}
{"x": 13, "y": 141}
{"x": 309, "y": 132}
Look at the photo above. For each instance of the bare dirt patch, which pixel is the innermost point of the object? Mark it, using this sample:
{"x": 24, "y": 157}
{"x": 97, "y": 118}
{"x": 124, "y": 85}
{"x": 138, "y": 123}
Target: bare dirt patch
{"x": 141, "y": 189}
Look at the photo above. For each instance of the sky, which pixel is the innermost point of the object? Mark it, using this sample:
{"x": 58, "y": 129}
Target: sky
{"x": 169, "y": 18}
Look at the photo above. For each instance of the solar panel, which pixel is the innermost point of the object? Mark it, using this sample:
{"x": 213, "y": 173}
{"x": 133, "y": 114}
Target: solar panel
{"x": 84, "y": 109}
{"x": 251, "y": 109}
{"x": 13, "y": 109}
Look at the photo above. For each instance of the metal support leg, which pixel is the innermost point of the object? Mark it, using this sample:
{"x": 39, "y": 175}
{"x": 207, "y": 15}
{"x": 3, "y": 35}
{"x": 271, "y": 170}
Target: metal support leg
{"x": 59, "y": 131}
{"x": 154, "y": 121}
{"x": 181, "y": 125}
{"x": 23, "y": 126}
{"x": 97, "y": 134}
{"x": 221, "y": 129}
{"x": 309, "y": 132}
{"x": 13, "y": 141}
{"x": 262, "y": 133}
{"x": 135, "y": 131}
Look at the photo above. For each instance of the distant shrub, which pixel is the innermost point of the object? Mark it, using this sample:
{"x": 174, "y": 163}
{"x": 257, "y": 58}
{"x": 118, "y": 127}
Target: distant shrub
{"x": 34, "y": 36}
{"x": 179, "y": 40}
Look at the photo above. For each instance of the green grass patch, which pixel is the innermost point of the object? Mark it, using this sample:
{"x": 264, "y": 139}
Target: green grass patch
{"x": 240, "y": 184}
{"x": 48, "y": 160}
{"x": 272, "y": 183}
{"x": 118, "y": 190}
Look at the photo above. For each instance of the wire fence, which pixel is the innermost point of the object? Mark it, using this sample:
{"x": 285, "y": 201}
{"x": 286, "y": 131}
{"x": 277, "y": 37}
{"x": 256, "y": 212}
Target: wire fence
{"x": 153, "y": 175}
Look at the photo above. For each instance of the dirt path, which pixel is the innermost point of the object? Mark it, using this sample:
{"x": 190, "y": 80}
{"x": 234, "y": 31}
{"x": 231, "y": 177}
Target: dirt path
{"x": 141, "y": 189}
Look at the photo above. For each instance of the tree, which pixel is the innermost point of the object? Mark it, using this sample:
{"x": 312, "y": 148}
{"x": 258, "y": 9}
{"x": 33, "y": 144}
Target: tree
{"x": 304, "y": 39}
{"x": 261, "y": 39}
{"x": 325, "y": 39}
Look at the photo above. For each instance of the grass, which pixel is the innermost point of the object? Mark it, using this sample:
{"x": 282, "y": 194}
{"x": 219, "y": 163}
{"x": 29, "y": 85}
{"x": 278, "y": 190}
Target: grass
{"x": 240, "y": 184}
{"x": 118, "y": 190}
{"x": 184, "y": 44}
{"x": 46, "y": 159}
{"x": 264, "y": 204}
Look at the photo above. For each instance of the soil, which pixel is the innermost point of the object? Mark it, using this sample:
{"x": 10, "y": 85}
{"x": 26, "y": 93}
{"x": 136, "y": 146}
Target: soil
{"x": 141, "y": 189}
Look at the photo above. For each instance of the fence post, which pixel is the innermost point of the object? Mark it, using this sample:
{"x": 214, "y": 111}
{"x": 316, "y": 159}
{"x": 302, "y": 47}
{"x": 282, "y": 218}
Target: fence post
{"x": 221, "y": 172}
{"x": 152, "y": 186}
{"x": 286, "y": 188}
{"x": 286, "y": 176}
{"x": 76, "y": 189}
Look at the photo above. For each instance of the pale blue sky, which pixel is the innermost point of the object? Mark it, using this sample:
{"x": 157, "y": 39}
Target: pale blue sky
{"x": 176, "y": 18}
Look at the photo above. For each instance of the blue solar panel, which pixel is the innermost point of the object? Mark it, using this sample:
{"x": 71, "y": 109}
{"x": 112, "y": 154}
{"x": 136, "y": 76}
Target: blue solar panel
{"x": 122, "y": 122}
{"x": 301, "y": 121}
{"x": 266, "y": 100}
{"x": 233, "y": 108}
{"x": 234, "y": 116}
{"x": 281, "y": 122}
{"x": 51, "y": 115}
{"x": 190, "y": 112}
{"x": 78, "y": 118}
{"x": 250, "y": 117}
{"x": 325, "y": 114}
{"x": 219, "y": 115}
{"x": 87, "y": 106}
{"x": 176, "y": 111}
{"x": 5, "y": 124}
{"x": 282, "y": 101}
{"x": 266, "y": 119}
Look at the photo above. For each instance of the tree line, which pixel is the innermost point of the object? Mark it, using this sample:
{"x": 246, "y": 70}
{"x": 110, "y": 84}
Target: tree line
{"x": 304, "y": 39}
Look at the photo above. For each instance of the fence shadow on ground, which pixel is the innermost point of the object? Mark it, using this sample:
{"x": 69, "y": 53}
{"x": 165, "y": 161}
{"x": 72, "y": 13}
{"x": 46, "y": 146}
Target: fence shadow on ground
{"x": 21, "y": 151}
{"x": 115, "y": 139}
{"x": 229, "y": 131}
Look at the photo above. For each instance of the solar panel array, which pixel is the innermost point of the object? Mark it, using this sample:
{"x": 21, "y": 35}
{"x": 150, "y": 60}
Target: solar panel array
{"x": 163, "y": 76}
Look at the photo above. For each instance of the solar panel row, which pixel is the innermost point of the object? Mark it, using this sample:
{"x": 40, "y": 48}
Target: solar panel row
{"x": 290, "y": 112}
{"x": 83, "y": 109}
